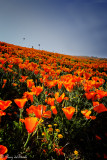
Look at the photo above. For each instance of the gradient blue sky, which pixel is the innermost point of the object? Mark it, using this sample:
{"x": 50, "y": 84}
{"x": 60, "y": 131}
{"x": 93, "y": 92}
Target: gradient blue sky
{"x": 74, "y": 27}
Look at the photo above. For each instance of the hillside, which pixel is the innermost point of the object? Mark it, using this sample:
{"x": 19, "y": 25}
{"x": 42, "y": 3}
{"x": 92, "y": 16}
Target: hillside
{"x": 52, "y": 106}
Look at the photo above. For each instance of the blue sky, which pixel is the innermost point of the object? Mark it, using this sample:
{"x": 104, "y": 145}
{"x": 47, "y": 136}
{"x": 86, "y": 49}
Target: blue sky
{"x": 74, "y": 27}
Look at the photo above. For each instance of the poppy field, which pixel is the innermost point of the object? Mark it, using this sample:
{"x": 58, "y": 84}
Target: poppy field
{"x": 52, "y": 106}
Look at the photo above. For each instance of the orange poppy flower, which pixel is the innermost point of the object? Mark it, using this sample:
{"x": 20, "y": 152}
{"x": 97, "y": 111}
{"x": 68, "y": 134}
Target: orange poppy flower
{"x": 36, "y": 71}
{"x": 66, "y": 98}
{"x": 69, "y": 111}
{"x": 22, "y": 66}
{"x": 56, "y": 95}
{"x": 14, "y": 84}
{"x": 99, "y": 107}
{"x": 101, "y": 94}
{"x": 28, "y": 95}
{"x": 4, "y": 104}
{"x": 10, "y": 66}
{"x": 87, "y": 75}
{"x": 52, "y": 83}
{"x": 39, "y": 111}
{"x": 30, "y": 83}
{"x": 59, "y": 151}
{"x": 53, "y": 108}
{"x": 23, "y": 78}
{"x": 2, "y": 60}
{"x": 87, "y": 113}
{"x": 50, "y": 101}
{"x": 41, "y": 80}
{"x": 30, "y": 123}
{"x": 20, "y": 102}
{"x": 59, "y": 84}
{"x": 59, "y": 99}
{"x": 37, "y": 90}
{"x": 30, "y": 110}
{"x": 4, "y": 82}
{"x": 47, "y": 114}
{"x": 87, "y": 87}
{"x": 68, "y": 85}
{"x": 3, "y": 149}
{"x": 95, "y": 78}
{"x": 90, "y": 95}
{"x": 2, "y": 113}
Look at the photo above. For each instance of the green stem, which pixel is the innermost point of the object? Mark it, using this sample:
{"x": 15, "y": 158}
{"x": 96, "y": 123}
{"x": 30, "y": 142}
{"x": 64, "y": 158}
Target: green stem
{"x": 27, "y": 140}
{"x": 21, "y": 110}
{"x": 35, "y": 131}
